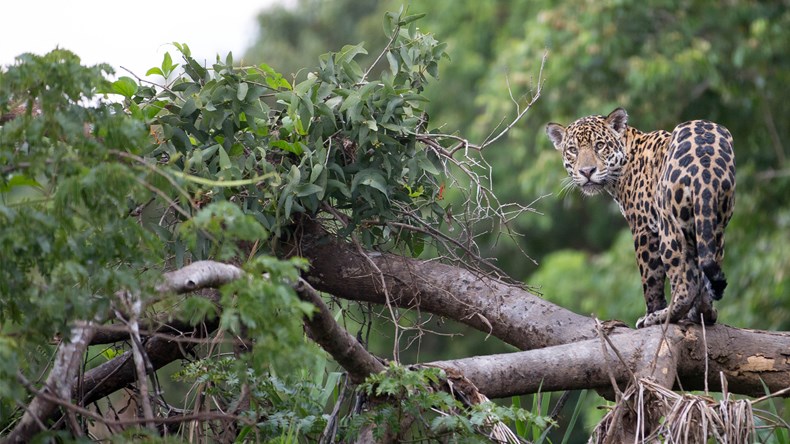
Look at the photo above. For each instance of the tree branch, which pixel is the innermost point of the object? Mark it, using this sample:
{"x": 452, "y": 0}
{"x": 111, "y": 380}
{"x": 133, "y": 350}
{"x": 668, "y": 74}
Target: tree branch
{"x": 58, "y": 384}
{"x": 344, "y": 348}
{"x": 117, "y": 373}
{"x": 199, "y": 275}
{"x": 746, "y": 357}
{"x": 506, "y": 311}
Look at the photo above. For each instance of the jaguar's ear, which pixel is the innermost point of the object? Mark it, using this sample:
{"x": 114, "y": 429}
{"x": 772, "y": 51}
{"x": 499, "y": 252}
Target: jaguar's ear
{"x": 617, "y": 120}
{"x": 556, "y": 132}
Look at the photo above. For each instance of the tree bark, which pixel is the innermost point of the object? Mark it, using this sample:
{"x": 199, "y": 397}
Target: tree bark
{"x": 59, "y": 383}
{"x": 339, "y": 343}
{"x": 506, "y": 311}
{"x": 563, "y": 348}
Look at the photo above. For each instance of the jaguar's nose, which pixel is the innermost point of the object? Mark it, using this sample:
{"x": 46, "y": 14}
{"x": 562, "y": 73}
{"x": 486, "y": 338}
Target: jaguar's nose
{"x": 588, "y": 171}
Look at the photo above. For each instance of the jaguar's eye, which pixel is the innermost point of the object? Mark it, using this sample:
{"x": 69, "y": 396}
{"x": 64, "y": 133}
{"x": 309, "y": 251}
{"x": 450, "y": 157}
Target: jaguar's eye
{"x": 571, "y": 150}
{"x": 599, "y": 146}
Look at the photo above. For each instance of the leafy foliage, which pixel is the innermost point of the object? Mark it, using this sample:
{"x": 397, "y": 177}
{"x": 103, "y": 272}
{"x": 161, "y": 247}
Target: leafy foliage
{"x": 59, "y": 212}
{"x": 417, "y": 393}
{"x": 294, "y": 406}
{"x": 336, "y": 139}
{"x": 106, "y": 183}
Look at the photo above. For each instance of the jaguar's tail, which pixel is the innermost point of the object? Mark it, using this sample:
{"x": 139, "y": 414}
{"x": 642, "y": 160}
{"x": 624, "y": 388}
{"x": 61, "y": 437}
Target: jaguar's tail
{"x": 710, "y": 245}
{"x": 716, "y": 279}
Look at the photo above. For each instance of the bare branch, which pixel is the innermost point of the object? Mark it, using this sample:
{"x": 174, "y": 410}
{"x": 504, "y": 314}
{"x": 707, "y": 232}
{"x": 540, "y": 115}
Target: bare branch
{"x": 521, "y": 112}
{"x": 343, "y": 347}
{"x": 199, "y": 275}
{"x": 59, "y": 384}
{"x": 133, "y": 305}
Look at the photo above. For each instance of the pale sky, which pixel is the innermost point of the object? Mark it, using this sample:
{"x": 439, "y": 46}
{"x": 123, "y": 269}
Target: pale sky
{"x": 133, "y": 34}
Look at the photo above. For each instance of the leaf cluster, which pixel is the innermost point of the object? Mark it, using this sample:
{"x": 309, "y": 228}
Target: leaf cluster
{"x": 418, "y": 394}
{"x": 336, "y": 142}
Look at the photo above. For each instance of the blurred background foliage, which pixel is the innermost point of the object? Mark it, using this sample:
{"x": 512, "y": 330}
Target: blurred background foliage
{"x": 664, "y": 61}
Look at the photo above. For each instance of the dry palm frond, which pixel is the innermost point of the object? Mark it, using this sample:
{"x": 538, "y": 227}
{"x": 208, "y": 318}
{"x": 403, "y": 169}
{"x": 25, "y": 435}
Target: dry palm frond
{"x": 658, "y": 414}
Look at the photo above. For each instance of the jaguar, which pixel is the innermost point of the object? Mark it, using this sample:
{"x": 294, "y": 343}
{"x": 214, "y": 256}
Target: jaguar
{"x": 675, "y": 189}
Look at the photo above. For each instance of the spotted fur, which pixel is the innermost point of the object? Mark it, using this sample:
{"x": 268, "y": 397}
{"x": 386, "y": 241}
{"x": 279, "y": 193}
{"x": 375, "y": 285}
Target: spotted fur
{"x": 676, "y": 190}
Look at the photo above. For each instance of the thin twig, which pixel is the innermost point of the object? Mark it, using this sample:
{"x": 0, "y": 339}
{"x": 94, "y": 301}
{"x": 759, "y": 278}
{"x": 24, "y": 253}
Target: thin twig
{"x": 133, "y": 306}
{"x": 388, "y": 301}
{"x": 395, "y": 34}
{"x": 705, "y": 345}
{"x": 521, "y": 113}
{"x": 599, "y": 330}
{"x": 159, "y": 171}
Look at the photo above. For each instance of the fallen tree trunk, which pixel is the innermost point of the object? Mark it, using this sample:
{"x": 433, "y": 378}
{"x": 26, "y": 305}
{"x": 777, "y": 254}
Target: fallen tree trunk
{"x": 557, "y": 339}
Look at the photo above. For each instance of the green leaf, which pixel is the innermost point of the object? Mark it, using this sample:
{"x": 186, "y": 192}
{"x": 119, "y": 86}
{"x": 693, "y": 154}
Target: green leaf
{"x": 19, "y": 180}
{"x": 190, "y": 106}
{"x": 183, "y": 49}
{"x": 371, "y": 177}
{"x": 167, "y": 65}
{"x": 125, "y": 86}
{"x": 394, "y": 65}
{"x": 155, "y": 71}
{"x": 152, "y": 109}
{"x": 224, "y": 160}
{"x": 317, "y": 170}
{"x": 348, "y": 53}
{"x": 290, "y": 147}
{"x": 241, "y": 92}
{"x": 351, "y": 101}
{"x": 307, "y": 189}
{"x": 427, "y": 165}
{"x": 340, "y": 186}
{"x": 408, "y": 19}
{"x": 417, "y": 245}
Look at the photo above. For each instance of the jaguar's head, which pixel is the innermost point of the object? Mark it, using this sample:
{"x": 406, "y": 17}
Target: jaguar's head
{"x": 593, "y": 149}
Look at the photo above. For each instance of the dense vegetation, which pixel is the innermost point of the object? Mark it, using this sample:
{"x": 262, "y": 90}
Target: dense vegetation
{"x": 107, "y": 183}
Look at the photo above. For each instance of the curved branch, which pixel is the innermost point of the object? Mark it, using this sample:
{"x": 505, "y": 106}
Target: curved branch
{"x": 339, "y": 343}
{"x": 506, "y": 311}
